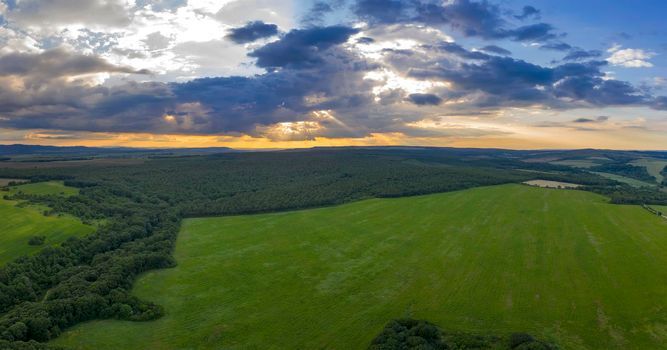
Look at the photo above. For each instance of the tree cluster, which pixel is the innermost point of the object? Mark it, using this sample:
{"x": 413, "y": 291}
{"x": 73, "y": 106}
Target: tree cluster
{"x": 410, "y": 334}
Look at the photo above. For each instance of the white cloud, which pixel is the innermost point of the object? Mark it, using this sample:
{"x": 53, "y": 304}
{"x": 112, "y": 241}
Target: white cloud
{"x": 175, "y": 39}
{"x": 62, "y": 13}
{"x": 630, "y": 58}
{"x": 279, "y": 12}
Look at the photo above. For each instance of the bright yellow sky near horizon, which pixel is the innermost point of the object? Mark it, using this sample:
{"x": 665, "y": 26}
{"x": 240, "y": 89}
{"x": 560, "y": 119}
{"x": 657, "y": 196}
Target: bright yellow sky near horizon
{"x": 521, "y": 138}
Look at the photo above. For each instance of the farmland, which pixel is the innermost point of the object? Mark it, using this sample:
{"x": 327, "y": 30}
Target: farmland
{"x": 494, "y": 259}
{"x": 653, "y": 166}
{"x": 630, "y": 181}
{"x": 550, "y": 184}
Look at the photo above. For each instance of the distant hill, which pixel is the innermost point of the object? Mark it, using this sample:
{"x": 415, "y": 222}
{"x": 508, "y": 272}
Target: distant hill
{"x": 18, "y": 149}
{"x": 527, "y": 155}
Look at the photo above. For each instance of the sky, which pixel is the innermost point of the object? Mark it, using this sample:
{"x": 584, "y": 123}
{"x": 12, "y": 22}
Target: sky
{"x": 521, "y": 74}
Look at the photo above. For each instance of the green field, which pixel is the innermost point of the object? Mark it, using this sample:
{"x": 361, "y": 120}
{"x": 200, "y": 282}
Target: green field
{"x": 630, "y": 181}
{"x": 18, "y": 224}
{"x": 46, "y": 188}
{"x": 660, "y": 208}
{"x": 653, "y": 166}
{"x": 577, "y": 163}
{"x": 560, "y": 264}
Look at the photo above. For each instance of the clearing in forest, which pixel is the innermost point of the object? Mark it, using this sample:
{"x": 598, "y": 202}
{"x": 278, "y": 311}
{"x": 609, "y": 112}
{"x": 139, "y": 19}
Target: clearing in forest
{"x": 19, "y": 223}
{"x": 551, "y": 184}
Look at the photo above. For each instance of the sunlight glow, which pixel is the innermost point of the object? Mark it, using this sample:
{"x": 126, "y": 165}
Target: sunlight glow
{"x": 392, "y": 81}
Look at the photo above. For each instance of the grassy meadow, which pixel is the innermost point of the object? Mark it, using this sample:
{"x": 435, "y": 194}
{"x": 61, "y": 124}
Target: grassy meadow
{"x": 624, "y": 179}
{"x": 19, "y": 223}
{"x": 653, "y": 166}
{"x": 560, "y": 264}
{"x": 577, "y": 163}
{"x": 45, "y": 188}
{"x": 660, "y": 208}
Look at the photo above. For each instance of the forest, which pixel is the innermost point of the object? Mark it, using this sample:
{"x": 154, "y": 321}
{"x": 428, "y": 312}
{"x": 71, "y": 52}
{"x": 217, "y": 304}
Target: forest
{"x": 142, "y": 205}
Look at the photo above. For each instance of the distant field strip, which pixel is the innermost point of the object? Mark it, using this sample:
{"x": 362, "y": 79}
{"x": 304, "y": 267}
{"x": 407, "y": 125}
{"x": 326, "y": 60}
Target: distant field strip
{"x": 660, "y": 208}
{"x": 627, "y": 180}
{"x": 5, "y": 182}
{"x": 578, "y": 163}
{"x": 653, "y": 166}
{"x": 551, "y": 184}
{"x": 563, "y": 265}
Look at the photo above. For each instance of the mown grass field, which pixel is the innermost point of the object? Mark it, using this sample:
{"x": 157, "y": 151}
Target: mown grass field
{"x": 653, "y": 166}
{"x": 628, "y": 180}
{"x": 660, "y": 208}
{"x": 18, "y": 224}
{"x": 560, "y": 264}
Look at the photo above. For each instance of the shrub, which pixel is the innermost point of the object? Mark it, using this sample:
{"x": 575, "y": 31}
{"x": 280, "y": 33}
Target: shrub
{"x": 517, "y": 339}
{"x": 409, "y": 334}
{"x": 36, "y": 240}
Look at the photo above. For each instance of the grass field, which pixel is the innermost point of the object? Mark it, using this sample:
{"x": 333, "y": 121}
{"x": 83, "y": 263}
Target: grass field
{"x": 660, "y": 208}
{"x": 653, "y": 166}
{"x": 551, "y": 184}
{"x": 578, "y": 163}
{"x": 46, "y": 188}
{"x": 563, "y": 265}
{"x": 627, "y": 180}
{"x": 19, "y": 224}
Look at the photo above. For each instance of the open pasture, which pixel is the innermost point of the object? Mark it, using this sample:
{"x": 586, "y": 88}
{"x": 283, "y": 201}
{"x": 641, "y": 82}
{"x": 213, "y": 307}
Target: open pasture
{"x": 551, "y": 184}
{"x": 624, "y": 179}
{"x": 563, "y": 265}
{"x": 653, "y": 166}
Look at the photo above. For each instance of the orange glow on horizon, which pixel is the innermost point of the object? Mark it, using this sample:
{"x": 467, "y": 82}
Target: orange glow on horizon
{"x": 522, "y": 138}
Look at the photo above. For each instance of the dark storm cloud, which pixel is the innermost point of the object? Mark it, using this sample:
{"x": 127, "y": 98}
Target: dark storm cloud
{"x": 252, "y": 31}
{"x": 497, "y": 50}
{"x": 461, "y": 52}
{"x": 365, "y": 40}
{"x": 301, "y": 47}
{"x": 425, "y": 99}
{"x": 57, "y": 62}
{"x": 505, "y": 81}
{"x": 201, "y": 106}
{"x": 533, "y": 32}
{"x": 557, "y": 46}
{"x": 472, "y": 18}
{"x": 599, "y": 119}
{"x": 660, "y": 103}
{"x": 529, "y": 11}
{"x": 578, "y": 55}
{"x": 320, "y": 10}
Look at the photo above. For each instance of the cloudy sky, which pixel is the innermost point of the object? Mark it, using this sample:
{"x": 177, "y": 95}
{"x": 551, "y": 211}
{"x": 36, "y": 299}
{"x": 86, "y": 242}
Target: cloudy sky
{"x": 280, "y": 73}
